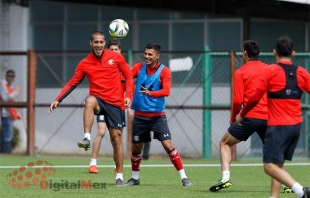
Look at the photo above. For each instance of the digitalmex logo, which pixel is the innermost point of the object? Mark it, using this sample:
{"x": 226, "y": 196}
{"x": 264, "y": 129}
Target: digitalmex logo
{"x": 33, "y": 173}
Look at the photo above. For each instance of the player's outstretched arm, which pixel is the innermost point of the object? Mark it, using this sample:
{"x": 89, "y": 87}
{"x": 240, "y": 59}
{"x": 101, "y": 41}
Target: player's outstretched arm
{"x": 53, "y": 106}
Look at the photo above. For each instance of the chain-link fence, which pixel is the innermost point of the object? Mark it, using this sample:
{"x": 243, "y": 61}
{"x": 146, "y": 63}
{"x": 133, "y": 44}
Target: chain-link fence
{"x": 18, "y": 62}
{"x": 198, "y": 108}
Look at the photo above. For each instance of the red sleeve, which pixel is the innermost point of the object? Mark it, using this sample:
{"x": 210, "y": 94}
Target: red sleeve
{"x": 238, "y": 96}
{"x": 125, "y": 69}
{"x": 165, "y": 81}
{"x": 253, "y": 100}
{"x": 77, "y": 78}
{"x": 304, "y": 81}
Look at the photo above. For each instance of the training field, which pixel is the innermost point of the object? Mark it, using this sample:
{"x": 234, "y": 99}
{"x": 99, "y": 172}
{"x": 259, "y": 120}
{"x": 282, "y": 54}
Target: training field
{"x": 68, "y": 176}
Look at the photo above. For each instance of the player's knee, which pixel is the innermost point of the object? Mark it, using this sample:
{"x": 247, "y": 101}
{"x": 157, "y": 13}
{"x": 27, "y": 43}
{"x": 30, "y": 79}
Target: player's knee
{"x": 268, "y": 167}
{"x": 137, "y": 148}
{"x": 167, "y": 144}
{"x": 90, "y": 101}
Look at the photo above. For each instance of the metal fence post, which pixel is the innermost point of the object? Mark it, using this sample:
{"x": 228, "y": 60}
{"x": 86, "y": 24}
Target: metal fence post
{"x": 207, "y": 92}
{"x": 232, "y": 72}
{"x": 31, "y": 84}
{"x": 308, "y": 114}
{"x": 130, "y": 61}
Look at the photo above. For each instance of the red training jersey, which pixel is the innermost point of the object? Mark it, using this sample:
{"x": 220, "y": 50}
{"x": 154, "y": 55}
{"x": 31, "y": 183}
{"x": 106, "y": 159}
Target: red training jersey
{"x": 245, "y": 83}
{"x": 104, "y": 75}
{"x": 165, "y": 83}
{"x": 281, "y": 111}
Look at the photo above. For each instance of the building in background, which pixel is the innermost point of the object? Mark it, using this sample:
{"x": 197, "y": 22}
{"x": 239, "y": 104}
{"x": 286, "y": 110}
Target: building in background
{"x": 182, "y": 28}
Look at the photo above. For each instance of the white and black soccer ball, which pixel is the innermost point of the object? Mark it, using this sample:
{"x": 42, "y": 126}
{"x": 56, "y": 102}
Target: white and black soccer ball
{"x": 118, "y": 28}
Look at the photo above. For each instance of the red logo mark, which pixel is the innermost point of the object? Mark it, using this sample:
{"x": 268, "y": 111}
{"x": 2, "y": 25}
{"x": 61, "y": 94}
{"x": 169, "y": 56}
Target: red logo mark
{"x": 33, "y": 173}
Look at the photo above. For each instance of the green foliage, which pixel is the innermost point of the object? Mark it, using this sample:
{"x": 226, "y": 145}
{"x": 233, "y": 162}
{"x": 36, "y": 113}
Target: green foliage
{"x": 16, "y": 136}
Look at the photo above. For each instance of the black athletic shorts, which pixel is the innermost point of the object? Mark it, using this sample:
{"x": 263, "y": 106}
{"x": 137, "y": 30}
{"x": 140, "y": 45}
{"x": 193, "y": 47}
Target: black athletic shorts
{"x": 113, "y": 115}
{"x": 142, "y": 127}
{"x": 247, "y": 128}
{"x": 280, "y": 143}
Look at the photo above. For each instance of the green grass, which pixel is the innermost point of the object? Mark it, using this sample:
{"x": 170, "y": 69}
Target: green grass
{"x": 248, "y": 181}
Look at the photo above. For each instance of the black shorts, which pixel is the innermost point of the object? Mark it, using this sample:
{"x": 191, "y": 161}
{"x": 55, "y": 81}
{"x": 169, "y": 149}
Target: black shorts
{"x": 124, "y": 119}
{"x": 112, "y": 114}
{"x": 280, "y": 143}
{"x": 247, "y": 128}
{"x": 142, "y": 127}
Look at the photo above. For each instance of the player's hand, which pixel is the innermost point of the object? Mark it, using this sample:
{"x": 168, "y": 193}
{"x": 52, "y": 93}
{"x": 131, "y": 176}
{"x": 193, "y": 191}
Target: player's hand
{"x": 239, "y": 119}
{"x": 144, "y": 91}
{"x": 53, "y": 106}
{"x": 127, "y": 103}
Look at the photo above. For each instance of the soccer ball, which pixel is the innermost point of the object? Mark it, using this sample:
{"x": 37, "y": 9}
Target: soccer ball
{"x": 118, "y": 28}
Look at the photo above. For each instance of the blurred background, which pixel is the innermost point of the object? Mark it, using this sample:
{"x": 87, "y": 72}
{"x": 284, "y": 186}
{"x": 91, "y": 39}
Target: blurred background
{"x": 201, "y": 40}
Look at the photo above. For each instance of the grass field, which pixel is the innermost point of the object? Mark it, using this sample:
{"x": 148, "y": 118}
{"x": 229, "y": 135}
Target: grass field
{"x": 158, "y": 178}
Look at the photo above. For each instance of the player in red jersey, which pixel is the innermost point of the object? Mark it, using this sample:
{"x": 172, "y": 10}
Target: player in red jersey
{"x": 245, "y": 81}
{"x": 284, "y": 83}
{"x": 152, "y": 86}
{"x": 103, "y": 68}
{"x": 113, "y": 45}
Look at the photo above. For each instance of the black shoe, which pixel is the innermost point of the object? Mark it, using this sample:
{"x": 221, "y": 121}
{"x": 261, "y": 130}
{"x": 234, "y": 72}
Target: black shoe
{"x": 306, "y": 192}
{"x": 186, "y": 182}
{"x": 132, "y": 182}
{"x": 85, "y": 143}
{"x": 220, "y": 185}
{"x": 119, "y": 183}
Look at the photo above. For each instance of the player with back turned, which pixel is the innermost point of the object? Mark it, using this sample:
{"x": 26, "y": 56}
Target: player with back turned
{"x": 245, "y": 80}
{"x": 284, "y": 83}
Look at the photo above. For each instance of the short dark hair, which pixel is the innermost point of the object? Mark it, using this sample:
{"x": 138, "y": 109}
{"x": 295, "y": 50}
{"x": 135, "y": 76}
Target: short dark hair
{"x": 284, "y": 46}
{"x": 252, "y": 48}
{"x": 153, "y": 46}
{"x": 114, "y": 41}
{"x": 94, "y": 33}
{"x": 10, "y": 72}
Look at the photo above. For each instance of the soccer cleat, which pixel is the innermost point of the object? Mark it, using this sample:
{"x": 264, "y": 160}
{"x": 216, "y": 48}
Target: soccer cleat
{"x": 287, "y": 189}
{"x": 220, "y": 185}
{"x": 306, "y": 192}
{"x": 119, "y": 183}
{"x": 186, "y": 182}
{"x": 85, "y": 143}
{"x": 93, "y": 169}
{"x": 132, "y": 182}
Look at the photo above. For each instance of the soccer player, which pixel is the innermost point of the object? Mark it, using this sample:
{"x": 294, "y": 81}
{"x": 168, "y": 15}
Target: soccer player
{"x": 245, "y": 81}
{"x": 113, "y": 45}
{"x": 284, "y": 83}
{"x": 152, "y": 86}
{"x": 103, "y": 68}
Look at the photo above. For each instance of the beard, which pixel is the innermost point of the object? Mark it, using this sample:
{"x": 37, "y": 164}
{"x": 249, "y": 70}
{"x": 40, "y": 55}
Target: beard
{"x": 98, "y": 56}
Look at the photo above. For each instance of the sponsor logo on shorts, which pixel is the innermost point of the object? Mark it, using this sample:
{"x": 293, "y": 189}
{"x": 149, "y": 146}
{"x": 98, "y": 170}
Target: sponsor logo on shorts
{"x": 101, "y": 117}
{"x": 166, "y": 135}
{"x": 136, "y": 138}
